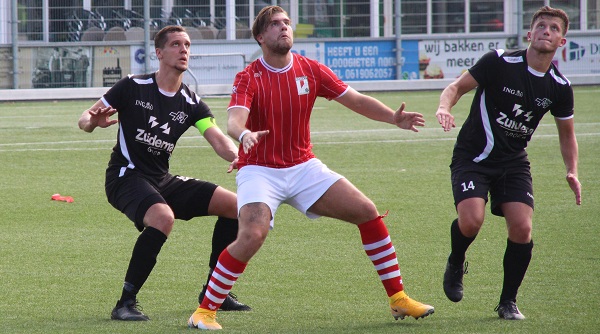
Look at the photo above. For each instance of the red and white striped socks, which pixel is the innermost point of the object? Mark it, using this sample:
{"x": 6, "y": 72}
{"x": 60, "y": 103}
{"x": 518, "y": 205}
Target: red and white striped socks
{"x": 226, "y": 273}
{"x": 378, "y": 246}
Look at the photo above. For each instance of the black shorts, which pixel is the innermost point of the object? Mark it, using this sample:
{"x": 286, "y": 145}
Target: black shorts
{"x": 503, "y": 183}
{"x": 133, "y": 194}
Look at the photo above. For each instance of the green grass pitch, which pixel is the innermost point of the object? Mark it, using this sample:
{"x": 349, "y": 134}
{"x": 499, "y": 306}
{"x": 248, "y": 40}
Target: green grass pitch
{"x": 62, "y": 264}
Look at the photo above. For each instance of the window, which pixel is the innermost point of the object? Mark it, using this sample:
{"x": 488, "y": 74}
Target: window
{"x": 448, "y": 16}
{"x": 593, "y": 12}
{"x": 30, "y": 20}
{"x": 414, "y": 17}
{"x": 486, "y": 16}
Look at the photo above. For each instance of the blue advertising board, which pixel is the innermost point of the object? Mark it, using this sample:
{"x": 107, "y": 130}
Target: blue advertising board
{"x": 371, "y": 60}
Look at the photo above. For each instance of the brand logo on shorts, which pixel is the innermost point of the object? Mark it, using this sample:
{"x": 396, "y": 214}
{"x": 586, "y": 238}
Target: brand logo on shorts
{"x": 529, "y": 195}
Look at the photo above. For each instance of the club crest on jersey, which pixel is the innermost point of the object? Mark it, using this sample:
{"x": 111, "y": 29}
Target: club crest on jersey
{"x": 179, "y": 116}
{"x": 543, "y": 102}
{"x": 302, "y": 85}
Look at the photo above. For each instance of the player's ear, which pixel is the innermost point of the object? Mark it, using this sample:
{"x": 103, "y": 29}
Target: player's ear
{"x": 563, "y": 41}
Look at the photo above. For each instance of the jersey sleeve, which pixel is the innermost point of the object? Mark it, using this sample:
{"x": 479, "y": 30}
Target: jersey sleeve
{"x": 565, "y": 105}
{"x": 116, "y": 95}
{"x": 331, "y": 86}
{"x": 485, "y": 69}
{"x": 242, "y": 92}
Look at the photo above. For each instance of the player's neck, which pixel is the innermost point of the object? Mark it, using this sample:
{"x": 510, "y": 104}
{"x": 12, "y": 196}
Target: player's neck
{"x": 277, "y": 60}
{"x": 539, "y": 61}
{"x": 168, "y": 81}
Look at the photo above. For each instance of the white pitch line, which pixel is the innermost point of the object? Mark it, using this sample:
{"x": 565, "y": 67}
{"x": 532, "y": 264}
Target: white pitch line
{"x": 62, "y": 142}
{"x": 108, "y": 148}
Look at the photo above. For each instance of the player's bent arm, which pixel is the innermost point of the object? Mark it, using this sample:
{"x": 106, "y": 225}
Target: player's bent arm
{"x": 570, "y": 154}
{"x": 85, "y": 121}
{"x": 454, "y": 91}
{"x": 450, "y": 96}
{"x": 236, "y": 121}
{"x": 97, "y": 116}
{"x": 367, "y": 106}
{"x": 222, "y": 144}
{"x": 568, "y": 144}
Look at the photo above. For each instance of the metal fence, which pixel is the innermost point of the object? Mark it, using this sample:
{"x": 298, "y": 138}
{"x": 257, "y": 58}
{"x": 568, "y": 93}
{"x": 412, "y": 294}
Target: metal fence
{"x": 92, "y": 43}
{"x": 82, "y": 20}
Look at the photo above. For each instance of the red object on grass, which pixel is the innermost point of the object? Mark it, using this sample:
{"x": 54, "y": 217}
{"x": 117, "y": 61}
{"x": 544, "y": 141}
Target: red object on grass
{"x": 59, "y": 197}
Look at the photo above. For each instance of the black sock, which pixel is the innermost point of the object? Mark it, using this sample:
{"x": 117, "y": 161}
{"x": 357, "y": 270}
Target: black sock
{"x": 224, "y": 233}
{"x": 516, "y": 261}
{"x": 143, "y": 259}
{"x": 459, "y": 244}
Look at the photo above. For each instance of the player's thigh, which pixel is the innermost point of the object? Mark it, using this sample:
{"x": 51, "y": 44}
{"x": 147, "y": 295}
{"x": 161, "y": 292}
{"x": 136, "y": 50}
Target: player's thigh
{"x": 188, "y": 197}
{"x": 258, "y": 184}
{"x": 471, "y": 214}
{"x": 133, "y": 195}
{"x": 223, "y": 203}
{"x": 345, "y": 202}
{"x": 470, "y": 180}
{"x": 470, "y": 187}
{"x": 515, "y": 185}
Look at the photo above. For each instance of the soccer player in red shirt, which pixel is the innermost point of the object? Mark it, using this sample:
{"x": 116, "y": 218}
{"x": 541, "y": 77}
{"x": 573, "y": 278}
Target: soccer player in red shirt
{"x": 269, "y": 114}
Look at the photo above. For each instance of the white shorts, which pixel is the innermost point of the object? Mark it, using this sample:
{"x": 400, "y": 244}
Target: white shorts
{"x": 299, "y": 186}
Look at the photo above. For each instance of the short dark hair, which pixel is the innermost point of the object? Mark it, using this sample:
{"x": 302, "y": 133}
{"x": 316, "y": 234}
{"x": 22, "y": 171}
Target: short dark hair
{"x": 263, "y": 19}
{"x": 554, "y": 12}
{"x": 161, "y": 37}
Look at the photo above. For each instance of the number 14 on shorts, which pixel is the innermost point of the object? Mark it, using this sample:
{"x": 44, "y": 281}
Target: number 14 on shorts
{"x": 466, "y": 186}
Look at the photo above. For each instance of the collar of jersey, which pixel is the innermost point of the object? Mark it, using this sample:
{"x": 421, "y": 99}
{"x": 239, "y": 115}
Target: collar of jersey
{"x": 534, "y": 72}
{"x": 277, "y": 70}
{"x": 165, "y": 93}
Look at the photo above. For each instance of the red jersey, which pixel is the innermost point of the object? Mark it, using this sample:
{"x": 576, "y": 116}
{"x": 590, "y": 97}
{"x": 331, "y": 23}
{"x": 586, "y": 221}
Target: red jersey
{"x": 281, "y": 100}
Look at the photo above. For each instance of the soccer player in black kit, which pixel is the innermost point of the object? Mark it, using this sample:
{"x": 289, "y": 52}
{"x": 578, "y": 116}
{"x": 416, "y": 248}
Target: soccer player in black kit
{"x": 514, "y": 91}
{"x": 154, "y": 110}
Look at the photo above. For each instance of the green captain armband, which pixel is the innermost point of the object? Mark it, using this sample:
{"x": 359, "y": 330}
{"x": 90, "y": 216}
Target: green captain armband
{"x": 205, "y": 123}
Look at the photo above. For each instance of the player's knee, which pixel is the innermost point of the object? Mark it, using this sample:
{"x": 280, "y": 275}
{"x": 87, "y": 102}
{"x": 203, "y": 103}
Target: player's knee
{"x": 363, "y": 211}
{"x": 520, "y": 233}
{"x": 160, "y": 217}
{"x": 469, "y": 227}
{"x": 256, "y": 236}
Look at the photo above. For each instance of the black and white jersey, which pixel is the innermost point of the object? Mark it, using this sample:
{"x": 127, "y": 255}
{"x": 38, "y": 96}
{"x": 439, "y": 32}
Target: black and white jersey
{"x": 510, "y": 101}
{"x": 150, "y": 123}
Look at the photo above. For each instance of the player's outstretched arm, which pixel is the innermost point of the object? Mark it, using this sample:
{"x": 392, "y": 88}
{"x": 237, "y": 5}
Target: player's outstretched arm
{"x": 97, "y": 116}
{"x": 374, "y": 109}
